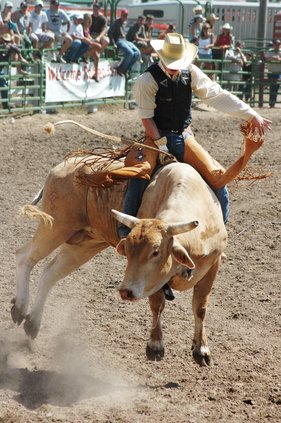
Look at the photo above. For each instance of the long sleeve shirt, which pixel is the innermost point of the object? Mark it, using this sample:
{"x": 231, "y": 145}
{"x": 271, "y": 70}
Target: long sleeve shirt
{"x": 204, "y": 88}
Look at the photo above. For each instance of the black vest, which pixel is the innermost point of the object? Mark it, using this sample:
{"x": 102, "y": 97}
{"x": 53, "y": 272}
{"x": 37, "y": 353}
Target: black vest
{"x": 173, "y": 100}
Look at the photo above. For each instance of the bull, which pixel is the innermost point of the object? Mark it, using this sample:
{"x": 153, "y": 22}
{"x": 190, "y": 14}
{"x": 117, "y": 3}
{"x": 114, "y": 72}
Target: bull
{"x": 178, "y": 237}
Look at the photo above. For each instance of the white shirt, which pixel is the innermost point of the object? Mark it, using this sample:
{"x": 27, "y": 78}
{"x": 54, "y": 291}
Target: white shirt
{"x": 37, "y": 21}
{"x": 76, "y": 30}
{"x": 204, "y": 88}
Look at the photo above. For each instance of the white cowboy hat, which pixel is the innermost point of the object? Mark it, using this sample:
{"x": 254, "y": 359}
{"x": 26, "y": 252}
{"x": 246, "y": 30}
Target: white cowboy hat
{"x": 198, "y": 8}
{"x": 174, "y": 52}
{"x": 227, "y": 26}
{"x": 7, "y": 37}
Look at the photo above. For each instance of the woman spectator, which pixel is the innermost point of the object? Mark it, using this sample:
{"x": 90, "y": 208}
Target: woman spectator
{"x": 205, "y": 44}
{"x": 196, "y": 28}
{"x": 235, "y": 68}
{"x": 94, "y": 47}
{"x": 223, "y": 42}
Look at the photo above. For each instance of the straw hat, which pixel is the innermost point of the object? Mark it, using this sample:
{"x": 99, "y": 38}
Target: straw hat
{"x": 198, "y": 9}
{"x": 7, "y": 37}
{"x": 174, "y": 52}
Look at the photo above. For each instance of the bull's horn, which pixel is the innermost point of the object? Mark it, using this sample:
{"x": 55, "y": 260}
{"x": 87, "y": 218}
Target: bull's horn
{"x": 179, "y": 228}
{"x": 126, "y": 219}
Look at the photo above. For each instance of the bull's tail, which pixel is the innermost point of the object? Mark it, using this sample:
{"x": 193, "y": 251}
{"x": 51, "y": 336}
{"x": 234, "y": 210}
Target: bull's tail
{"x": 33, "y": 212}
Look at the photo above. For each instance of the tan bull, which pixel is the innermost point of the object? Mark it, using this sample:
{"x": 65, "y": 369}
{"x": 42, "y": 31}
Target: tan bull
{"x": 178, "y": 236}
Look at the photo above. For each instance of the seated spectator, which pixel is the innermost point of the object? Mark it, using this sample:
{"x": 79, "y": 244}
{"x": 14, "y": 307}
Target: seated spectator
{"x": 205, "y": 43}
{"x": 136, "y": 33}
{"x": 273, "y": 60}
{"x": 117, "y": 35}
{"x": 21, "y": 19}
{"x": 94, "y": 47}
{"x": 140, "y": 35}
{"x": 171, "y": 28}
{"x": 38, "y": 31}
{"x": 6, "y": 18}
{"x": 57, "y": 21}
{"x": 12, "y": 50}
{"x": 98, "y": 29}
{"x": 77, "y": 50}
{"x": 238, "y": 60}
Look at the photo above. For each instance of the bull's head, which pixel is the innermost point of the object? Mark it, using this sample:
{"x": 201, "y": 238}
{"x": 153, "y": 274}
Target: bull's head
{"x": 153, "y": 254}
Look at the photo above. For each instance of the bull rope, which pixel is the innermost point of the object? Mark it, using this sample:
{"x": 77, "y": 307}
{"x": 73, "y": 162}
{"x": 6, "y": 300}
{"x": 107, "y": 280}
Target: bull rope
{"x": 50, "y": 129}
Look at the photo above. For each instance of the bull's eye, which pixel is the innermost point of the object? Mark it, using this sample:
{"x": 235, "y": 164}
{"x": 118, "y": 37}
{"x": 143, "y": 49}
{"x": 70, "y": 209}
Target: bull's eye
{"x": 155, "y": 254}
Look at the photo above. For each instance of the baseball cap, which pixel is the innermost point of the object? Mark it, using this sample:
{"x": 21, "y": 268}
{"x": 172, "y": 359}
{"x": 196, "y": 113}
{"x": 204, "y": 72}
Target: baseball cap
{"x": 54, "y": 2}
{"x": 9, "y": 4}
{"x": 23, "y": 4}
{"x": 38, "y": 3}
{"x": 78, "y": 15}
{"x": 124, "y": 12}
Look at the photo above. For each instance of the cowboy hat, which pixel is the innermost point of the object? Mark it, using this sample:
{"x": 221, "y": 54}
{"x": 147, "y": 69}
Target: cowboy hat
{"x": 198, "y": 8}
{"x": 7, "y": 37}
{"x": 174, "y": 52}
{"x": 227, "y": 26}
{"x": 212, "y": 16}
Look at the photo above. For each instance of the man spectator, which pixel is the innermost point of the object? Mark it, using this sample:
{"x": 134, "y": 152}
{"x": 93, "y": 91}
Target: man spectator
{"x": 38, "y": 30}
{"x": 21, "y": 18}
{"x": 99, "y": 28}
{"x": 117, "y": 35}
{"x": 273, "y": 60}
{"x": 59, "y": 23}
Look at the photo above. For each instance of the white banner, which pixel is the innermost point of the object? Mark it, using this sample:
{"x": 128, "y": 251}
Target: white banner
{"x": 72, "y": 82}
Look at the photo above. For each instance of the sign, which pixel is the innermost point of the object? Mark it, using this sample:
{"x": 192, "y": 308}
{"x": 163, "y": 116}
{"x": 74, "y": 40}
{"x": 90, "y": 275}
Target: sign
{"x": 72, "y": 82}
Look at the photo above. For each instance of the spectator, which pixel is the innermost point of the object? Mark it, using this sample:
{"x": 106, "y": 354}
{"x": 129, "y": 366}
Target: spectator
{"x": 211, "y": 20}
{"x": 205, "y": 44}
{"x": 171, "y": 28}
{"x": 196, "y": 28}
{"x": 273, "y": 60}
{"x": 98, "y": 29}
{"x": 11, "y": 27}
{"x": 238, "y": 60}
{"x": 223, "y": 42}
{"x": 77, "y": 49}
{"x": 94, "y": 47}
{"x": 131, "y": 54}
{"x": 12, "y": 50}
{"x": 136, "y": 33}
{"x": 247, "y": 76}
{"x": 59, "y": 23}
{"x": 21, "y": 19}
{"x": 38, "y": 30}
{"x": 140, "y": 34}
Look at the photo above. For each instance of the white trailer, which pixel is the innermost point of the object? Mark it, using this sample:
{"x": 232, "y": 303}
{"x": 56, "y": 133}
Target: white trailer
{"x": 241, "y": 15}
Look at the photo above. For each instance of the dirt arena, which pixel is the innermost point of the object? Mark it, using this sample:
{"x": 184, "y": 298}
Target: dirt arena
{"x": 88, "y": 363}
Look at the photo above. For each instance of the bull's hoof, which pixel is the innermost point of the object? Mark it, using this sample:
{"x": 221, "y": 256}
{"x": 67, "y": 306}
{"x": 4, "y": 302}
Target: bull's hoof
{"x": 17, "y": 315}
{"x": 203, "y": 359}
{"x": 154, "y": 355}
{"x": 31, "y": 327}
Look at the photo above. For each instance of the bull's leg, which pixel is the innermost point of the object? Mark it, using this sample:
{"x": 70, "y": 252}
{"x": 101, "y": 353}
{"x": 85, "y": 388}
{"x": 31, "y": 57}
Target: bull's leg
{"x": 202, "y": 289}
{"x": 69, "y": 258}
{"x": 44, "y": 241}
{"x": 155, "y": 347}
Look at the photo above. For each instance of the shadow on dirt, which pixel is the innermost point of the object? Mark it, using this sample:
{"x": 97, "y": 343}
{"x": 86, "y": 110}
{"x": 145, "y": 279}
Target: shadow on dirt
{"x": 39, "y": 387}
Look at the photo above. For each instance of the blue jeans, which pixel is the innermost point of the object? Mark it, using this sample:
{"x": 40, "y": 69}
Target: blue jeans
{"x": 131, "y": 54}
{"x": 4, "y": 93}
{"x": 136, "y": 187}
{"x": 274, "y": 79}
{"x": 78, "y": 49}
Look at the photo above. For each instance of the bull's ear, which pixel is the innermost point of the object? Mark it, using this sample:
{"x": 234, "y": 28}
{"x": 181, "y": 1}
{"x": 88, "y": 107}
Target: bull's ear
{"x": 120, "y": 247}
{"x": 181, "y": 255}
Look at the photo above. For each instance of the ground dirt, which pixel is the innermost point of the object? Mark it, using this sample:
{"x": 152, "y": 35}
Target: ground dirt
{"x": 88, "y": 363}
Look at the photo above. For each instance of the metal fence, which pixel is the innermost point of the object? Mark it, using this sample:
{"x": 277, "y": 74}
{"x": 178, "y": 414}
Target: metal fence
{"x": 26, "y": 92}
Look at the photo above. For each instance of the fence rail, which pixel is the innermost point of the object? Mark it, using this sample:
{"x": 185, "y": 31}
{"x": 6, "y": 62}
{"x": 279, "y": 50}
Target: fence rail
{"x": 22, "y": 92}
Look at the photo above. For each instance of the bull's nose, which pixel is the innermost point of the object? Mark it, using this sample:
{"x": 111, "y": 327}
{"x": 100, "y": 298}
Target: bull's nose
{"x": 126, "y": 294}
